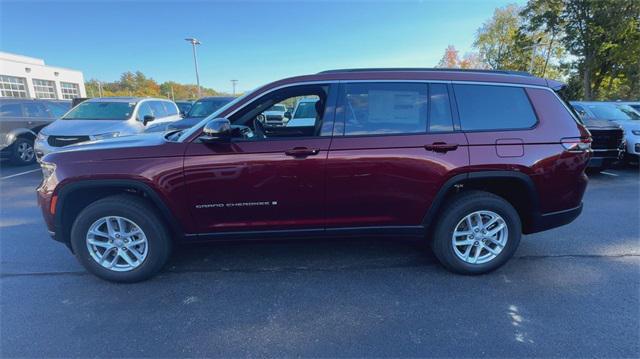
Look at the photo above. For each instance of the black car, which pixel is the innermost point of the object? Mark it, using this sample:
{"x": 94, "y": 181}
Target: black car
{"x": 184, "y": 106}
{"x": 20, "y": 121}
{"x": 608, "y": 139}
{"x": 200, "y": 109}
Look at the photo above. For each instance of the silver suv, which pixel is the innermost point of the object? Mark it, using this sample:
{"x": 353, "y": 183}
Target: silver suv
{"x": 20, "y": 121}
{"x": 102, "y": 118}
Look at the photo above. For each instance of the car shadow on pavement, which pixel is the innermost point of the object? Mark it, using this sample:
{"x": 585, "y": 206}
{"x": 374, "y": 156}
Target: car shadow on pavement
{"x": 311, "y": 254}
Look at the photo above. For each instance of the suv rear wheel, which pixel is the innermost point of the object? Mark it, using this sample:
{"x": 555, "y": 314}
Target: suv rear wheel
{"x": 476, "y": 233}
{"x": 120, "y": 239}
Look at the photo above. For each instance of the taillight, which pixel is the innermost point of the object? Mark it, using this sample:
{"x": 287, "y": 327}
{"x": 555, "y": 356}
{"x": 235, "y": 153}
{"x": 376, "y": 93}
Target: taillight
{"x": 576, "y": 144}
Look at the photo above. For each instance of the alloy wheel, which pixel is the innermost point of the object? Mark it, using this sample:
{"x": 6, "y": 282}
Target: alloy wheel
{"x": 480, "y": 237}
{"x": 25, "y": 151}
{"x": 117, "y": 243}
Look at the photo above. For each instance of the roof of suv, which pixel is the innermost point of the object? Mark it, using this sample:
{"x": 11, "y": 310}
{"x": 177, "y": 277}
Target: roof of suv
{"x": 438, "y": 74}
{"x": 124, "y": 99}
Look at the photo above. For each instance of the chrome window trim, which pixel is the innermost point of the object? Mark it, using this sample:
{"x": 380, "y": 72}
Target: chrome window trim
{"x": 189, "y": 132}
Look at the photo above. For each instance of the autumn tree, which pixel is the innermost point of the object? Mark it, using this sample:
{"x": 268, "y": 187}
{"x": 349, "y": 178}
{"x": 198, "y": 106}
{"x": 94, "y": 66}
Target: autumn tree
{"x": 138, "y": 84}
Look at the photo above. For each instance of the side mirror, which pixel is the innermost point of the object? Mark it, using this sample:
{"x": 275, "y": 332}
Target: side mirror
{"x": 216, "y": 129}
{"x": 147, "y": 118}
{"x": 287, "y": 115}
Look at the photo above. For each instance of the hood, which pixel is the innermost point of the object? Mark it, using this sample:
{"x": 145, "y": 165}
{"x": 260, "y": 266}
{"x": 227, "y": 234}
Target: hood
{"x": 86, "y": 127}
{"x": 600, "y": 124}
{"x": 629, "y": 125}
{"x": 274, "y": 113}
{"x": 184, "y": 123}
{"x": 139, "y": 140}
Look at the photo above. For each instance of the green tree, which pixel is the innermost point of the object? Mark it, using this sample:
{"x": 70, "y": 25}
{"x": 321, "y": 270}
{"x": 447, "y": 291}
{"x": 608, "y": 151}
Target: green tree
{"x": 605, "y": 37}
{"x": 497, "y": 40}
{"x": 138, "y": 84}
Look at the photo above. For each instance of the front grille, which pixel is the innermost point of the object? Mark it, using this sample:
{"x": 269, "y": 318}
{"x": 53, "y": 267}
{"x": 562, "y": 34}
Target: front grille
{"x": 61, "y": 141}
{"x": 272, "y": 118}
{"x": 606, "y": 139}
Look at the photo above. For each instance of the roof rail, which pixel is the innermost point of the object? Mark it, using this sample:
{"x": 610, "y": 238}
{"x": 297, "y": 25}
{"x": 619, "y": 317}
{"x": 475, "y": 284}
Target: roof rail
{"x": 430, "y": 69}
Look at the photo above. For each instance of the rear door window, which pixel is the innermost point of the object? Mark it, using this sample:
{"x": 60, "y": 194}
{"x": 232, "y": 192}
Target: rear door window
{"x": 488, "y": 107}
{"x": 385, "y": 108}
{"x": 440, "y": 119}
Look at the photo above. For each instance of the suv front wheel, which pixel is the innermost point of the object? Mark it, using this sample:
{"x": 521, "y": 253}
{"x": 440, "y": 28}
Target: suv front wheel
{"x": 23, "y": 152}
{"x": 121, "y": 239}
{"x": 476, "y": 233}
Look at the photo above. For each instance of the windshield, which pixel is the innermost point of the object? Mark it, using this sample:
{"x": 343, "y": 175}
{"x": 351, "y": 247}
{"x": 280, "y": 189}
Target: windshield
{"x": 630, "y": 111}
{"x": 204, "y": 108}
{"x": 279, "y": 108}
{"x": 305, "y": 110}
{"x": 101, "y": 111}
{"x": 611, "y": 112}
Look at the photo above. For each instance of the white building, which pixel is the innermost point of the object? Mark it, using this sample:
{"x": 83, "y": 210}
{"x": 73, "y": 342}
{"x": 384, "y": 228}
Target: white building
{"x": 28, "y": 77}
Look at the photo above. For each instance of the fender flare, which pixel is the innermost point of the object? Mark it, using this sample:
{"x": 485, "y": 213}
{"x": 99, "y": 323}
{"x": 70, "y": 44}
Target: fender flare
{"x": 18, "y": 132}
{"x": 438, "y": 201}
{"x": 151, "y": 194}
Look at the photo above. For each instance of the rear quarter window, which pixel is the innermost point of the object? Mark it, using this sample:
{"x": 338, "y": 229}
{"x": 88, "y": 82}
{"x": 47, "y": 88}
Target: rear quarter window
{"x": 488, "y": 107}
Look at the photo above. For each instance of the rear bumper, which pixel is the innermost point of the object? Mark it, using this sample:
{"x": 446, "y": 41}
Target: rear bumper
{"x": 545, "y": 221}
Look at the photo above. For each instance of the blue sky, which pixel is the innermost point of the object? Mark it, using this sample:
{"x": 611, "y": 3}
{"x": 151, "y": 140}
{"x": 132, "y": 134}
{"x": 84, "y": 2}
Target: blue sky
{"x": 254, "y": 42}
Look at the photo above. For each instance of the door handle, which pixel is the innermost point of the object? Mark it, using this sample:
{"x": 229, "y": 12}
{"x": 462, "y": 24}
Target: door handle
{"x": 301, "y": 152}
{"x": 441, "y": 147}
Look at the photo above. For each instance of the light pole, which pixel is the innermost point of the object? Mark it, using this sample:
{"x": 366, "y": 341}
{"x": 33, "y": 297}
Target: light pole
{"x": 233, "y": 83}
{"x": 195, "y": 42}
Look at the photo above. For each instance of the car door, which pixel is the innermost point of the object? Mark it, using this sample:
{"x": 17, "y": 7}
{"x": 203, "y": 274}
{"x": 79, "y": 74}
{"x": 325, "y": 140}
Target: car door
{"x": 394, "y": 146}
{"x": 260, "y": 183}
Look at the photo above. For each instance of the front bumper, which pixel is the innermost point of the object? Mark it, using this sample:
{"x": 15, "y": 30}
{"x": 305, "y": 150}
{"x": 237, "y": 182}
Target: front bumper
{"x": 42, "y": 148}
{"x": 605, "y": 157}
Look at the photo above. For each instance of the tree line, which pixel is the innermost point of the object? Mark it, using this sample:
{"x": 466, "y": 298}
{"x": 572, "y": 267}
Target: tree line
{"x": 592, "y": 45}
{"x": 137, "y": 84}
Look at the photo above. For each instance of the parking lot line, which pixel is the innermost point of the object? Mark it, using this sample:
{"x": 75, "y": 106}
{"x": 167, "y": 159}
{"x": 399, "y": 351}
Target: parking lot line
{"x": 609, "y": 174}
{"x": 19, "y": 174}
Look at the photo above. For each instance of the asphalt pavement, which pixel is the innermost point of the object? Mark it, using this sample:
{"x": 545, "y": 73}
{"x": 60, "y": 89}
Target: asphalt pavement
{"x": 569, "y": 292}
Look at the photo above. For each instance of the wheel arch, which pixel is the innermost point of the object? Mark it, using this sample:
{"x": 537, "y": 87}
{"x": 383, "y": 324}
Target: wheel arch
{"x": 74, "y": 197}
{"x": 515, "y": 187}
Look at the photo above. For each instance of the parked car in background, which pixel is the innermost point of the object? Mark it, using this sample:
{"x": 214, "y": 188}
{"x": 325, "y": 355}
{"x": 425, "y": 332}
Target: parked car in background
{"x": 20, "y": 122}
{"x": 634, "y": 104}
{"x": 276, "y": 115}
{"x": 616, "y": 114}
{"x": 467, "y": 160}
{"x": 305, "y": 112}
{"x": 102, "y": 118}
{"x": 200, "y": 109}
{"x": 184, "y": 106}
{"x": 78, "y": 100}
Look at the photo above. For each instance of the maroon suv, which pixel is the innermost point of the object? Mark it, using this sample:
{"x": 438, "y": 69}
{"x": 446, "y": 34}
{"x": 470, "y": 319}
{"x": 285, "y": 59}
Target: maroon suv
{"x": 469, "y": 160}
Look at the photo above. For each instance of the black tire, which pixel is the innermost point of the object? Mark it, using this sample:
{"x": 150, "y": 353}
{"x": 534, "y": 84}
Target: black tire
{"x": 455, "y": 210}
{"x": 140, "y": 212}
{"x": 18, "y": 156}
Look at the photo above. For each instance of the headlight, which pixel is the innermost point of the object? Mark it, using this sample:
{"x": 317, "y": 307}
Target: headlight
{"x": 48, "y": 169}
{"x": 104, "y": 136}
{"x": 41, "y": 136}
{"x": 636, "y": 132}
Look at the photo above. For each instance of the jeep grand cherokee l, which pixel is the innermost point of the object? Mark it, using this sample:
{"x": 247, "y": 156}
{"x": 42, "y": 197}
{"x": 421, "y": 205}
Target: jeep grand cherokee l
{"x": 468, "y": 160}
